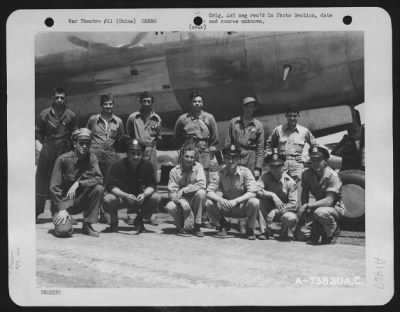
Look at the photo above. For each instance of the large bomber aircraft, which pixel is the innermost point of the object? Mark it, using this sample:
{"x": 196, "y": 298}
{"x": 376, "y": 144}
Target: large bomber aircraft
{"x": 322, "y": 72}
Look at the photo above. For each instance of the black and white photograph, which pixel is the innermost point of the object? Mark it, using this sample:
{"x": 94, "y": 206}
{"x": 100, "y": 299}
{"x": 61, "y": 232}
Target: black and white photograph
{"x": 205, "y": 161}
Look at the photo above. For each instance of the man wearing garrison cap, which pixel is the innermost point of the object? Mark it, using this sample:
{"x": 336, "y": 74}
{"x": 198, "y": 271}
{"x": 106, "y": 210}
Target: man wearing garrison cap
{"x": 145, "y": 126}
{"x": 76, "y": 186}
{"x": 107, "y": 129}
{"x": 325, "y": 185}
{"x": 131, "y": 184}
{"x": 278, "y": 198}
{"x": 247, "y": 132}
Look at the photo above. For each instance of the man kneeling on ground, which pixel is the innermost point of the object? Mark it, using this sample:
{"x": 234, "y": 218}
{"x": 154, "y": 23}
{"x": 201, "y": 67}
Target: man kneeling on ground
{"x": 231, "y": 193}
{"x": 131, "y": 183}
{"x": 186, "y": 190}
{"x": 325, "y": 185}
{"x": 76, "y": 186}
{"x": 278, "y": 198}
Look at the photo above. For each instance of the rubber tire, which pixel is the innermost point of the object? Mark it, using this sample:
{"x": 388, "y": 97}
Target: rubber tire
{"x": 357, "y": 178}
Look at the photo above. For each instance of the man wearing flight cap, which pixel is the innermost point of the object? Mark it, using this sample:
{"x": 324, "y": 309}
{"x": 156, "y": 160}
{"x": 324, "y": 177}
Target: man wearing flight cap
{"x": 278, "y": 198}
{"x": 76, "y": 186}
{"x": 53, "y": 131}
{"x": 247, "y": 133}
{"x": 131, "y": 183}
{"x": 325, "y": 185}
{"x": 232, "y": 193}
{"x": 107, "y": 129}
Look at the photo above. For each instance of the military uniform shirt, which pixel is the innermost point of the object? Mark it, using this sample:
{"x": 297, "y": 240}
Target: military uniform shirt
{"x": 51, "y": 129}
{"x": 189, "y": 181}
{"x": 146, "y": 132}
{"x": 201, "y": 128}
{"x": 289, "y": 142}
{"x": 247, "y": 137}
{"x": 105, "y": 133}
{"x": 329, "y": 182}
{"x": 233, "y": 186}
{"x": 68, "y": 169}
{"x": 131, "y": 181}
{"x": 285, "y": 189}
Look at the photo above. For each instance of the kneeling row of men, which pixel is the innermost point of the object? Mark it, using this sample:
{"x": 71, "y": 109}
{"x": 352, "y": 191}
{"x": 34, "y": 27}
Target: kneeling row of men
{"x": 77, "y": 186}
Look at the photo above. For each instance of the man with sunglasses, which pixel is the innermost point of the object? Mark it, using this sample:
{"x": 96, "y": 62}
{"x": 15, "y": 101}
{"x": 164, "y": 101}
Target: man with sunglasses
{"x": 52, "y": 133}
{"x": 76, "y": 186}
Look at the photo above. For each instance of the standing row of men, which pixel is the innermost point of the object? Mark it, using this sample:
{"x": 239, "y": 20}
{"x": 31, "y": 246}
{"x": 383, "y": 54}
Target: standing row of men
{"x": 231, "y": 192}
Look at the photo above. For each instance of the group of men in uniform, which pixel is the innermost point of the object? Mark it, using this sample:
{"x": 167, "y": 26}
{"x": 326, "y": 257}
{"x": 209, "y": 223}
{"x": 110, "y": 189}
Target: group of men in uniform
{"x": 91, "y": 179}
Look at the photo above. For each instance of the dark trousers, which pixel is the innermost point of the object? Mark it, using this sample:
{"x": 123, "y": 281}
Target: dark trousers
{"x": 88, "y": 200}
{"x": 112, "y": 203}
{"x": 47, "y": 158}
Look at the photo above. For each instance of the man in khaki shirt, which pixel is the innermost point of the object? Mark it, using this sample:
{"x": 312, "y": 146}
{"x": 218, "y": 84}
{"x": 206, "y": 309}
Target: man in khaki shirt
{"x": 290, "y": 140}
{"x": 186, "y": 190}
{"x": 325, "y": 185}
{"x": 231, "y": 193}
{"x": 145, "y": 126}
{"x": 278, "y": 198}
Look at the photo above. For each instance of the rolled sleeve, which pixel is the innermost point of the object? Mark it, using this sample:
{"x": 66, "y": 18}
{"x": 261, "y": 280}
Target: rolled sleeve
{"x": 214, "y": 184}
{"x": 334, "y": 184}
{"x": 173, "y": 185}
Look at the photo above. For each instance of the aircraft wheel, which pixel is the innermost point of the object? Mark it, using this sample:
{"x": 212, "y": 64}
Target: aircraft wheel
{"x": 353, "y": 193}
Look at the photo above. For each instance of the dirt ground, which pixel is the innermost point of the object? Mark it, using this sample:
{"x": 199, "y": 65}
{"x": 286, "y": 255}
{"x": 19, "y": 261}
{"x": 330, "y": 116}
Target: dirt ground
{"x": 160, "y": 259}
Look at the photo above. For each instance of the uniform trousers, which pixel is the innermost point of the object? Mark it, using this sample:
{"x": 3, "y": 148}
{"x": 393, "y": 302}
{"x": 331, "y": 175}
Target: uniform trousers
{"x": 112, "y": 203}
{"x": 328, "y": 218}
{"x": 87, "y": 200}
{"x": 247, "y": 209}
{"x": 288, "y": 219}
{"x": 189, "y": 210}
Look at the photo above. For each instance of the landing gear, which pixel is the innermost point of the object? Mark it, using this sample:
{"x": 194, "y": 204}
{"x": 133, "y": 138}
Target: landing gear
{"x": 353, "y": 192}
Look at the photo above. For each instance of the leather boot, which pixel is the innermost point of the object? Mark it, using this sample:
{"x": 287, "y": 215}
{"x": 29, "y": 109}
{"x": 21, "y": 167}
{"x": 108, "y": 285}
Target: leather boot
{"x": 88, "y": 230}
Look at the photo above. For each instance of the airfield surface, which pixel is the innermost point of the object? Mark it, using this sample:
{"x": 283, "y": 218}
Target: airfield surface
{"x": 161, "y": 259}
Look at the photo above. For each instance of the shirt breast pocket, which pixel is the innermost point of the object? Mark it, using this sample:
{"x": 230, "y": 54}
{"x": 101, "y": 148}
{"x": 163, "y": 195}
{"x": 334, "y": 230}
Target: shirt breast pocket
{"x": 113, "y": 130}
{"x": 299, "y": 142}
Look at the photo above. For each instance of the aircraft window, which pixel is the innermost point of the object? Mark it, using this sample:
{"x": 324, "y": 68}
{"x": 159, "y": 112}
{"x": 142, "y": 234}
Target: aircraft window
{"x": 286, "y": 69}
